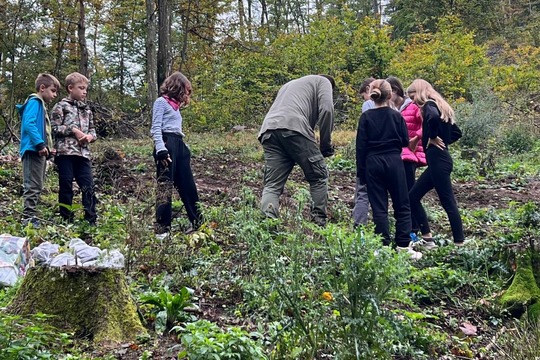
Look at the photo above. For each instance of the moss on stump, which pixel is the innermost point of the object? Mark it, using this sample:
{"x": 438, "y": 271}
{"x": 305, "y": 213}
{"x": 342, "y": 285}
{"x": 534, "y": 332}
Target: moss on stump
{"x": 524, "y": 290}
{"x": 94, "y": 303}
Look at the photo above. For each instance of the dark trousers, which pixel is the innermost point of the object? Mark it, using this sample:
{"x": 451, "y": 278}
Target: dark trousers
{"x": 410, "y": 176}
{"x": 79, "y": 168}
{"x": 177, "y": 175}
{"x": 385, "y": 174}
{"x": 283, "y": 149}
{"x": 437, "y": 175}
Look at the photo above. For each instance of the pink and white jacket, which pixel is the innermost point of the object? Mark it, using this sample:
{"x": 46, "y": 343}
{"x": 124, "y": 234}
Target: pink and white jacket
{"x": 413, "y": 118}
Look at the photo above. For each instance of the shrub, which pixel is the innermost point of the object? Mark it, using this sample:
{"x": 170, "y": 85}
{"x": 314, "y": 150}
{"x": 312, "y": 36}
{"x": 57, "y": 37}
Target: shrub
{"x": 518, "y": 139}
{"x": 204, "y": 340}
{"x": 480, "y": 119}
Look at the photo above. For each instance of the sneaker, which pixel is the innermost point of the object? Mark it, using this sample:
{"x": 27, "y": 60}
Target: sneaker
{"x": 463, "y": 243}
{"x": 162, "y": 236}
{"x": 415, "y": 255}
{"x": 189, "y": 230}
{"x": 31, "y": 221}
{"x": 426, "y": 243}
{"x": 319, "y": 221}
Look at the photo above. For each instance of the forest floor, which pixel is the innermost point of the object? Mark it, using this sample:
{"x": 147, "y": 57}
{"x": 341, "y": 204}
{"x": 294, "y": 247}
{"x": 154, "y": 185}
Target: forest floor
{"x": 223, "y": 169}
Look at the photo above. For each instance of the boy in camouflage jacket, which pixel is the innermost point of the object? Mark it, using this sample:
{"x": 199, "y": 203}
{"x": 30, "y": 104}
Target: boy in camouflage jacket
{"x": 73, "y": 128}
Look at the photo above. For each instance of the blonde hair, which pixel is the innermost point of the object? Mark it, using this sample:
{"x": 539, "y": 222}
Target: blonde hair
{"x": 47, "y": 80}
{"x": 424, "y": 92}
{"x": 75, "y": 78}
{"x": 380, "y": 91}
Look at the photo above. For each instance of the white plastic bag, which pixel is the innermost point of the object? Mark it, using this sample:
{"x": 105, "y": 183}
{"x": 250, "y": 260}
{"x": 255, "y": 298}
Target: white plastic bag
{"x": 45, "y": 252}
{"x": 64, "y": 259}
{"x": 14, "y": 258}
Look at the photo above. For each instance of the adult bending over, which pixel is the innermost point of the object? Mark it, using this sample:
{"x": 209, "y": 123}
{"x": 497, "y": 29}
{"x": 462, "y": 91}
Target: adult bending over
{"x": 288, "y": 138}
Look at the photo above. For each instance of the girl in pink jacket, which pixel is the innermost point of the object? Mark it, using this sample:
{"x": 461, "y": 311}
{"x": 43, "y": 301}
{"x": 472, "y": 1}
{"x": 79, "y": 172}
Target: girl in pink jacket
{"x": 413, "y": 156}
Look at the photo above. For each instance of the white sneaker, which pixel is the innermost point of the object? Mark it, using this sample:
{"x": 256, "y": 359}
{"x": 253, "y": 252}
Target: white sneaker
{"x": 162, "y": 236}
{"x": 426, "y": 244}
{"x": 415, "y": 255}
{"x": 464, "y": 243}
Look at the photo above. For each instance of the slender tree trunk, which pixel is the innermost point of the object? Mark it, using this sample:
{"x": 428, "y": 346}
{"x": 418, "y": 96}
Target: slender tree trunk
{"x": 187, "y": 18}
{"x": 81, "y": 32}
{"x": 163, "y": 55}
{"x": 264, "y": 12}
{"x": 241, "y": 16}
{"x": 250, "y": 19}
{"x": 151, "y": 60}
{"x": 319, "y": 8}
{"x": 122, "y": 65}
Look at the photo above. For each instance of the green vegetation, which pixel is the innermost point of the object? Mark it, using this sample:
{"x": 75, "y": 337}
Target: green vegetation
{"x": 204, "y": 340}
{"x": 169, "y": 308}
{"x": 285, "y": 289}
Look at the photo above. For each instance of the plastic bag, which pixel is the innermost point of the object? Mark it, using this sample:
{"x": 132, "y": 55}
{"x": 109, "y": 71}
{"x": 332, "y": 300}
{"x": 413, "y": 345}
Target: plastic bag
{"x": 14, "y": 258}
{"x": 64, "y": 259}
{"x": 45, "y": 252}
{"x": 111, "y": 259}
{"x": 84, "y": 252}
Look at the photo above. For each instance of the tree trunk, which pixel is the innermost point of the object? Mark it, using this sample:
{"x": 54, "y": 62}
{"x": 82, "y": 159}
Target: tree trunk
{"x": 164, "y": 30}
{"x": 94, "y": 303}
{"x": 186, "y": 20}
{"x": 81, "y": 33}
{"x": 151, "y": 61}
{"x": 241, "y": 17}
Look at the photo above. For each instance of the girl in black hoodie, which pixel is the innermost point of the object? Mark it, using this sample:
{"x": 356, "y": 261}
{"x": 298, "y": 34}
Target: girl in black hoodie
{"x": 437, "y": 134}
{"x": 382, "y": 133}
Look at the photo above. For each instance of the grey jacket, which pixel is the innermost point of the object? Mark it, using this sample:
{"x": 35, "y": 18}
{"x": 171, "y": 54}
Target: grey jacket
{"x": 300, "y": 105}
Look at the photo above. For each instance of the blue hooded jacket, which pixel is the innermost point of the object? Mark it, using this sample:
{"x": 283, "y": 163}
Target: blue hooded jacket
{"x": 35, "y": 130}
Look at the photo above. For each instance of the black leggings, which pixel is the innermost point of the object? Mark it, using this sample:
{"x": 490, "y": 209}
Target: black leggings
{"x": 437, "y": 176}
{"x": 178, "y": 175}
{"x": 385, "y": 174}
{"x": 410, "y": 175}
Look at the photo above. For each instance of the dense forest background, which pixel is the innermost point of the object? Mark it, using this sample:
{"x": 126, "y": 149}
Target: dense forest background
{"x": 483, "y": 55}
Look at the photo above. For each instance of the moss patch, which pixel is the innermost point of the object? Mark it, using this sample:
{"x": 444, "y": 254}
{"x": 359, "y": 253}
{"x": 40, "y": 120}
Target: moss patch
{"x": 524, "y": 290}
{"x": 95, "y": 304}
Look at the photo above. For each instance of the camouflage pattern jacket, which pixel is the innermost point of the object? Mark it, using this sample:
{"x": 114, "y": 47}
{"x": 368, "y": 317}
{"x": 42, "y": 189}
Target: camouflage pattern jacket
{"x": 66, "y": 115}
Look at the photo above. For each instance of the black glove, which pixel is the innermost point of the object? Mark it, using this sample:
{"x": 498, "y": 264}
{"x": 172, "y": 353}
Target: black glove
{"x": 329, "y": 151}
{"x": 162, "y": 155}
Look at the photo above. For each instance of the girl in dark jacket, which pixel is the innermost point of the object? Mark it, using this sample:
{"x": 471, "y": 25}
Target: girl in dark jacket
{"x": 436, "y": 136}
{"x": 381, "y": 135}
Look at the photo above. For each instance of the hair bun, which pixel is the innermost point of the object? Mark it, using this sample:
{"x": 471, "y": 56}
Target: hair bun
{"x": 375, "y": 94}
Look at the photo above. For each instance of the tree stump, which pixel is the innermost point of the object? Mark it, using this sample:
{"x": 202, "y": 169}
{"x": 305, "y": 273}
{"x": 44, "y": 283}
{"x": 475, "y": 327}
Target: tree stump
{"x": 93, "y": 303}
{"x": 523, "y": 295}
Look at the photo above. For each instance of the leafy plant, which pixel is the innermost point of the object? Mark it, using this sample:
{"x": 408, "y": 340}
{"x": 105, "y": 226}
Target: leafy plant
{"x": 32, "y": 338}
{"x": 169, "y": 308}
{"x": 204, "y": 340}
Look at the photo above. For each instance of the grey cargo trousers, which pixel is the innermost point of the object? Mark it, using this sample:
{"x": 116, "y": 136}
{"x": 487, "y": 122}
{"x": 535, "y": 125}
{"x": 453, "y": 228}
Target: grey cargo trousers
{"x": 282, "y": 150}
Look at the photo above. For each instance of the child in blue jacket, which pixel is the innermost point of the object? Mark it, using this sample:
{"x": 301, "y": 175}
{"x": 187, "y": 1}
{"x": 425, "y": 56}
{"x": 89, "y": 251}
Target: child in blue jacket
{"x": 36, "y": 143}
